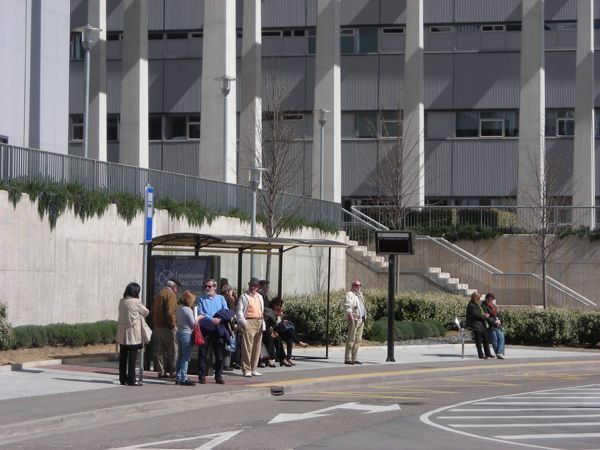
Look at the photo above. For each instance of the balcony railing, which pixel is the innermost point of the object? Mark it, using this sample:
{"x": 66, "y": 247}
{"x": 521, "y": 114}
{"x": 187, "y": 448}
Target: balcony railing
{"x": 18, "y": 163}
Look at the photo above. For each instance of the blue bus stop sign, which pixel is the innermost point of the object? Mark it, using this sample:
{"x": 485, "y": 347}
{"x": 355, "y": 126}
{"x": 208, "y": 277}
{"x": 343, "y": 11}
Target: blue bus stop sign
{"x": 149, "y": 213}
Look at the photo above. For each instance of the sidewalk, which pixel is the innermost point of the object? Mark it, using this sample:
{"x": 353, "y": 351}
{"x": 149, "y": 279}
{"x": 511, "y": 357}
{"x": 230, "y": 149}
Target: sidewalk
{"x": 89, "y": 373}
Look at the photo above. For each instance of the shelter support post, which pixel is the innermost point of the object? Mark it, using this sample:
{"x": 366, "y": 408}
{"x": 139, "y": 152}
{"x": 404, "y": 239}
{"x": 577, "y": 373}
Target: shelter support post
{"x": 328, "y": 298}
{"x": 280, "y": 273}
{"x": 390, "y": 307}
{"x": 239, "y": 278}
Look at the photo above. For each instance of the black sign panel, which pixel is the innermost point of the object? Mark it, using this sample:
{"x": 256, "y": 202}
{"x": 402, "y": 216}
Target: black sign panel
{"x": 394, "y": 243}
{"x": 190, "y": 271}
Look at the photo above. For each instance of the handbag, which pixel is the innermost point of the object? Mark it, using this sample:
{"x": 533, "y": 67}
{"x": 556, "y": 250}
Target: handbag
{"x": 286, "y": 326}
{"x": 146, "y": 332}
{"x": 197, "y": 338}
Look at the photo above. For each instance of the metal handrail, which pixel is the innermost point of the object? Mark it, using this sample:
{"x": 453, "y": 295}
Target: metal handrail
{"x": 378, "y": 225}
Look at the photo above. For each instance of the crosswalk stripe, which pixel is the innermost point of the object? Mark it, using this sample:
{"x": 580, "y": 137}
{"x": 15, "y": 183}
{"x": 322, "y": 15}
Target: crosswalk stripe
{"x": 547, "y": 436}
{"x": 521, "y": 425}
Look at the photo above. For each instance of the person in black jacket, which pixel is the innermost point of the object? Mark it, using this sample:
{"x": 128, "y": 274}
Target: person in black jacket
{"x": 477, "y": 322}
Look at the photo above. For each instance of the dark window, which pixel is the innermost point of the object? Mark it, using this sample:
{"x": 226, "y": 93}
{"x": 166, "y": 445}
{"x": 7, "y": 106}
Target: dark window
{"x": 114, "y": 36}
{"x": 3, "y": 139}
{"x": 441, "y": 29}
{"x": 287, "y": 33}
{"x": 365, "y": 125}
{"x": 394, "y": 30}
{"x": 560, "y": 122}
{"x": 391, "y": 124}
{"x": 112, "y": 128}
{"x": 513, "y": 27}
{"x": 511, "y": 123}
{"x": 155, "y": 128}
{"x": 176, "y": 127}
{"x": 76, "y": 134}
{"x": 177, "y": 35}
{"x": 347, "y": 44}
{"x": 467, "y": 124}
{"x": 368, "y": 40}
{"x": 299, "y": 33}
{"x": 312, "y": 41}
{"x": 271, "y": 33}
{"x": 155, "y": 36}
{"x": 194, "y": 127}
{"x": 492, "y": 123}
{"x": 75, "y": 47}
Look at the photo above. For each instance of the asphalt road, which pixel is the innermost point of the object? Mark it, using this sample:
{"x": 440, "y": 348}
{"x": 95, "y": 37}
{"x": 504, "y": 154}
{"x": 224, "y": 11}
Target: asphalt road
{"x": 511, "y": 408}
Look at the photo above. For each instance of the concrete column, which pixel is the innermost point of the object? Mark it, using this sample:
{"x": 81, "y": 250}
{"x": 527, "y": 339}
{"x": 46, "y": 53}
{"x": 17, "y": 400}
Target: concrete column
{"x": 250, "y": 148}
{"x": 97, "y": 119}
{"x": 133, "y": 149}
{"x": 328, "y": 96}
{"x": 584, "y": 173}
{"x": 218, "y": 60}
{"x": 413, "y": 124}
{"x": 530, "y": 179}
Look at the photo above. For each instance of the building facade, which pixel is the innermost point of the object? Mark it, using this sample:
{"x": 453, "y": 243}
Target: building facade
{"x": 471, "y": 90}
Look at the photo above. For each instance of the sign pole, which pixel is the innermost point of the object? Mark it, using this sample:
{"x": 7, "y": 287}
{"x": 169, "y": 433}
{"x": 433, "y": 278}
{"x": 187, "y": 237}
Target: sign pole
{"x": 148, "y": 218}
{"x": 390, "y": 307}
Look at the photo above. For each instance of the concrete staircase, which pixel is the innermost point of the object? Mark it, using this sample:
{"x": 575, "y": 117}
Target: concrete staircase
{"x": 450, "y": 283}
{"x": 379, "y": 264}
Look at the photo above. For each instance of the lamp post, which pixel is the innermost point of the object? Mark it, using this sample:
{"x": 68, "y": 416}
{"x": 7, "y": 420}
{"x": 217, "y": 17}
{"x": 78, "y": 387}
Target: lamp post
{"x": 89, "y": 38}
{"x": 322, "y": 120}
{"x": 255, "y": 181}
{"x": 225, "y": 89}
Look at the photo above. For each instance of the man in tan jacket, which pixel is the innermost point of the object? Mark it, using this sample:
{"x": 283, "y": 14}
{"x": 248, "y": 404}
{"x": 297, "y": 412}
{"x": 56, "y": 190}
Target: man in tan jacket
{"x": 356, "y": 313}
{"x": 165, "y": 325}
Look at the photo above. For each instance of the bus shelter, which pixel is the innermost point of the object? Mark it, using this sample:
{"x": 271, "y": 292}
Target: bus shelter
{"x": 195, "y": 243}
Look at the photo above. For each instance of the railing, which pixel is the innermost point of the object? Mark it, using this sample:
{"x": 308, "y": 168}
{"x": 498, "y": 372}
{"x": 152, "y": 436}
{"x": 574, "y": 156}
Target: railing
{"x": 511, "y": 288}
{"x": 502, "y": 217}
{"x": 18, "y": 163}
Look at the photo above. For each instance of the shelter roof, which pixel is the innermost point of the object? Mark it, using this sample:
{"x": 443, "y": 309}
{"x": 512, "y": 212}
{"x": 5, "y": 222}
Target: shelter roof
{"x": 197, "y": 241}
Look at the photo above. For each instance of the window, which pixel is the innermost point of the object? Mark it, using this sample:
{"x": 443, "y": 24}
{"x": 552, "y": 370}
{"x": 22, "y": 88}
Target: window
{"x": 392, "y": 30}
{"x": 76, "y": 128}
{"x": 365, "y": 125}
{"x": 177, "y": 35}
{"x": 181, "y": 127}
{"x": 570, "y": 26}
{"x": 363, "y": 40}
{"x": 490, "y": 28}
{"x": 271, "y": 33}
{"x": 155, "y": 36}
{"x": 491, "y": 124}
{"x": 390, "y": 124}
{"x": 3, "y": 139}
{"x": 441, "y": 29}
{"x": 312, "y": 41}
{"x": 116, "y": 36}
{"x": 299, "y": 33}
{"x": 196, "y": 34}
{"x": 112, "y": 128}
{"x": 513, "y": 27}
{"x": 75, "y": 47}
{"x": 193, "y": 127}
{"x": 560, "y": 122}
{"x": 155, "y": 128}
{"x": 487, "y": 124}
{"x": 467, "y": 124}
{"x": 292, "y": 116}
{"x": 347, "y": 41}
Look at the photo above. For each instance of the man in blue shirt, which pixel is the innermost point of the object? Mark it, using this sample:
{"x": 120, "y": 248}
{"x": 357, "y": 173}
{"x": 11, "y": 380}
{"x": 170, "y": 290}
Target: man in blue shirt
{"x": 206, "y": 306}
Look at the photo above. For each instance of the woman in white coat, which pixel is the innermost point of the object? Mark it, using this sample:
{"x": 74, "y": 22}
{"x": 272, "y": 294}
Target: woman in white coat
{"x": 129, "y": 333}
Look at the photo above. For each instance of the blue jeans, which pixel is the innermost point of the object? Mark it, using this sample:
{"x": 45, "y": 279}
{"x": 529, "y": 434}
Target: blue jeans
{"x": 184, "y": 355}
{"x": 497, "y": 338}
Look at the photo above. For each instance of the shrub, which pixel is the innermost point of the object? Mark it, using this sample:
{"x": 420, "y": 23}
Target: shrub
{"x": 528, "y": 325}
{"x": 405, "y": 330}
{"x": 589, "y": 328}
{"x": 23, "y": 337}
{"x": 7, "y": 334}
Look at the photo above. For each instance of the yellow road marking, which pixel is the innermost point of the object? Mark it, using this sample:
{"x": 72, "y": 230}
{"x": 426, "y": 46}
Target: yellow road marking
{"x": 357, "y": 376}
{"x": 365, "y": 395}
{"x": 478, "y": 382}
{"x": 410, "y": 390}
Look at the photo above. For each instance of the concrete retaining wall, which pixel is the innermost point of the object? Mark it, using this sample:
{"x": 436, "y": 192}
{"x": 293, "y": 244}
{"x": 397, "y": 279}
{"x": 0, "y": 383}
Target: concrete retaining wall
{"x": 78, "y": 271}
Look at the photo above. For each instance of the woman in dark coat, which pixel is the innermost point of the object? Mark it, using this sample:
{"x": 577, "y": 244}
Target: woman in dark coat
{"x": 477, "y": 322}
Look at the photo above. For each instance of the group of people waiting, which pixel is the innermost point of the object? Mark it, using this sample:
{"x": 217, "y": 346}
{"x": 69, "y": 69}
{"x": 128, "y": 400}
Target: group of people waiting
{"x": 484, "y": 321}
{"x": 233, "y": 329}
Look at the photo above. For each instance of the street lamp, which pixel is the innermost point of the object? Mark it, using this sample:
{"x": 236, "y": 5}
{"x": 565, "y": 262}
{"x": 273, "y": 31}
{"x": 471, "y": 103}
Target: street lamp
{"x": 322, "y": 120}
{"x": 89, "y": 38}
{"x": 225, "y": 89}
{"x": 255, "y": 179}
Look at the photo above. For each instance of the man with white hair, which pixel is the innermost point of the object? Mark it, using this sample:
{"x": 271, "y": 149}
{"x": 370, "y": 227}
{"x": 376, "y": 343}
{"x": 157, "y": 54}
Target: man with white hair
{"x": 165, "y": 326}
{"x": 356, "y": 313}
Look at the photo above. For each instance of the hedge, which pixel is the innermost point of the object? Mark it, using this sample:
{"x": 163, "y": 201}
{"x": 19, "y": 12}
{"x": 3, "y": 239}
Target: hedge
{"x": 61, "y": 334}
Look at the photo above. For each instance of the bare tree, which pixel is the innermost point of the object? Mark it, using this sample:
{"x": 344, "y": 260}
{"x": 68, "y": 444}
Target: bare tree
{"x": 394, "y": 185}
{"x": 546, "y": 217}
{"x": 282, "y": 156}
